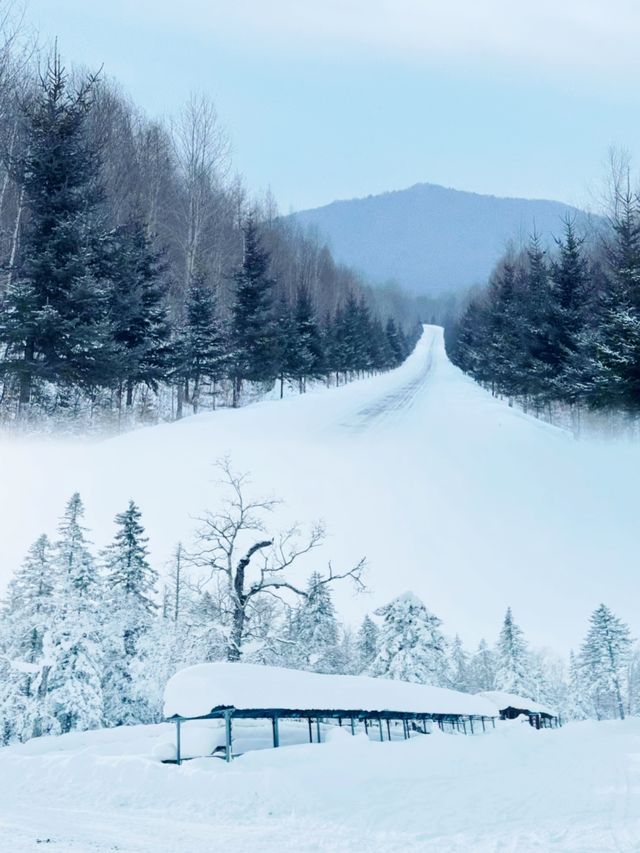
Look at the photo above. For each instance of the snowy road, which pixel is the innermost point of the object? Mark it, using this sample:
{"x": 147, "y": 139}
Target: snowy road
{"x": 448, "y": 492}
{"x": 576, "y": 790}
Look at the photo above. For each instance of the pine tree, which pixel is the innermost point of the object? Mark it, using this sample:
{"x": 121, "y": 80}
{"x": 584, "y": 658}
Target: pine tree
{"x": 411, "y": 646}
{"x": 460, "y": 678}
{"x": 307, "y": 353}
{"x": 71, "y": 684}
{"x": 316, "y": 627}
{"x": 55, "y": 323}
{"x": 200, "y": 350}
{"x": 604, "y": 658}
{"x": 29, "y": 610}
{"x": 137, "y": 309}
{"x": 131, "y": 584}
{"x": 254, "y": 344}
{"x": 512, "y": 659}
{"x": 367, "y": 643}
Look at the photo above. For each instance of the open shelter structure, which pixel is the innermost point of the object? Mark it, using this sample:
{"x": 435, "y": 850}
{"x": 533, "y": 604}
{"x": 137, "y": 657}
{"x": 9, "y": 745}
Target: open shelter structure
{"x": 238, "y": 691}
{"x": 511, "y": 706}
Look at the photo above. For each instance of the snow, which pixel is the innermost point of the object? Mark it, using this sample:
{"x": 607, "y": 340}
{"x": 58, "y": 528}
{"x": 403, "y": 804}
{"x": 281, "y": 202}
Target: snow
{"x": 572, "y": 790}
{"x": 196, "y": 690}
{"x": 510, "y": 700}
{"x": 448, "y": 492}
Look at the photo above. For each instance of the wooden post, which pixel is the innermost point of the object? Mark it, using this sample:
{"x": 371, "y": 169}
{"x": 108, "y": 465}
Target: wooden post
{"x": 493, "y": 720}
{"x": 318, "y": 729}
{"x": 388, "y": 729}
{"x": 228, "y": 736}
{"x": 464, "y": 726}
{"x": 380, "y": 727}
{"x": 310, "y": 730}
{"x": 276, "y": 733}
{"x": 366, "y": 727}
{"x": 471, "y": 724}
{"x": 484, "y": 728}
{"x": 178, "y": 754}
{"x": 353, "y": 727}
{"x": 340, "y": 721}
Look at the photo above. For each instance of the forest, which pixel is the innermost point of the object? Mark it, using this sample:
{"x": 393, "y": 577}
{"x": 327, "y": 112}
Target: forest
{"x": 558, "y": 330}
{"x": 139, "y": 279}
{"x": 89, "y": 640}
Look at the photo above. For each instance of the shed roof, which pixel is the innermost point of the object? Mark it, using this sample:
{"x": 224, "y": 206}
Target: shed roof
{"x": 520, "y": 703}
{"x": 197, "y": 690}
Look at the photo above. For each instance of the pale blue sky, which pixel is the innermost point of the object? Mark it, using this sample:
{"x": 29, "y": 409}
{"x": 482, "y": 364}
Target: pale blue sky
{"x": 329, "y": 99}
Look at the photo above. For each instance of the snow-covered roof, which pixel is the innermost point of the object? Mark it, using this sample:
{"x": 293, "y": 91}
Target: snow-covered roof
{"x": 510, "y": 700}
{"x": 197, "y": 690}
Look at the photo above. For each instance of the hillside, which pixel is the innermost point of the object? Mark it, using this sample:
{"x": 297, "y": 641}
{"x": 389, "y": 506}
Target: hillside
{"x": 430, "y": 238}
{"x": 447, "y": 491}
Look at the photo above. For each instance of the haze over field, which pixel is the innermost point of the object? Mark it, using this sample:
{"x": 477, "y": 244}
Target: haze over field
{"x": 448, "y": 492}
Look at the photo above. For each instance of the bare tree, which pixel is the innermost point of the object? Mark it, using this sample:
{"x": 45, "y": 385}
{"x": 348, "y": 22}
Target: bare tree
{"x": 238, "y": 553}
{"x": 202, "y": 152}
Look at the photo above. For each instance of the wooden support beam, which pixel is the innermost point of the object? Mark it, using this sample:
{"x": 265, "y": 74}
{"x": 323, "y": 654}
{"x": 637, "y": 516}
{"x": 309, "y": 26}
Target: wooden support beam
{"x": 388, "y": 729}
{"x": 484, "y": 728}
{"x": 318, "y": 729}
{"x": 380, "y": 727}
{"x": 310, "y": 730}
{"x": 471, "y": 724}
{"x": 353, "y": 727}
{"x": 276, "y": 732}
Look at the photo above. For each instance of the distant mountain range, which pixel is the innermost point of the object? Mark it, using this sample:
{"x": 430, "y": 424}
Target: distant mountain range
{"x": 429, "y": 238}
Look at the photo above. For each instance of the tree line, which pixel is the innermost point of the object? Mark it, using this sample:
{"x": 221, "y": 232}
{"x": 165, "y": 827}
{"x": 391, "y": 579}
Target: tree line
{"x": 136, "y": 275}
{"x": 90, "y": 640}
{"x": 560, "y": 329}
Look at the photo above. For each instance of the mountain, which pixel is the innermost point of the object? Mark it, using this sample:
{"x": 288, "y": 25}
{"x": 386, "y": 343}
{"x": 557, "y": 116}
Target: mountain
{"x": 429, "y": 238}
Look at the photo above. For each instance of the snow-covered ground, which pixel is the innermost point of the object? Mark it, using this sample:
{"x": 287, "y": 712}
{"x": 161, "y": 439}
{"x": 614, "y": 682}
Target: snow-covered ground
{"x": 448, "y": 492}
{"x": 515, "y": 789}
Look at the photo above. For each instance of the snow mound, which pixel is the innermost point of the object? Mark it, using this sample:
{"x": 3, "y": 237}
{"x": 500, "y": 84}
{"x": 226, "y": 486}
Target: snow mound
{"x": 196, "y": 690}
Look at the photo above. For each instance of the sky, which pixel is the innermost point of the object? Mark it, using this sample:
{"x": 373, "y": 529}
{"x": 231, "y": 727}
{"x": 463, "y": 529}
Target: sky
{"x": 326, "y": 99}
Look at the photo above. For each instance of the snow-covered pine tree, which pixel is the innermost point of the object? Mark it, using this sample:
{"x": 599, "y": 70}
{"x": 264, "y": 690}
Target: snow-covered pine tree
{"x": 411, "y": 646}
{"x": 604, "y": 660}
{"x": 71, "y": 683}
{"x": 307, "y": 352}
{"x": 483, "y": 668}
{"x": 29, "y": 610}
{"x": 579, "y": 702}
{"x": 512, "y": 659}
{"x": 367, "y": 643}
{"x": 316, "y": 628}
{"x": 460, "y": 677}
{"x": 131, "y": 585}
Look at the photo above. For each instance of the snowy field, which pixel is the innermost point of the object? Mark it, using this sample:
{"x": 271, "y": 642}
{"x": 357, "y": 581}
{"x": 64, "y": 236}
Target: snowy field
{"x": 448, "y": 492}
{"x": 512, "y": 791}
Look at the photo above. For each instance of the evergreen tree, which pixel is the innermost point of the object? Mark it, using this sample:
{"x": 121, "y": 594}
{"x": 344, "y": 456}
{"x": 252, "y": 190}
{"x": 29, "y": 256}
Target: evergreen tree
{"x": 316, "y": 627}
{"x": 483, "y": 669}
{"x": 138, "y": 314}
{"x": 55, "y": 323}
{"x": 307, "y": 352}
{"x": 367, "y": 643}
{"x": 411, "y": 646}
{"x": 254, "y": 349}
{"x": 200, "y": 350}
{"x": 71, "y": 684}
{"x": 131, "y": 583}
{"x": 512, "y": 659}
{"x": 460, "y": 678}
{"x": 604, "y": 658}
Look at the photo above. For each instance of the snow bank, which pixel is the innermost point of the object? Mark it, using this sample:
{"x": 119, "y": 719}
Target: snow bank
{"x": 195, "y": 691}
{"x": 510, "y": 700}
